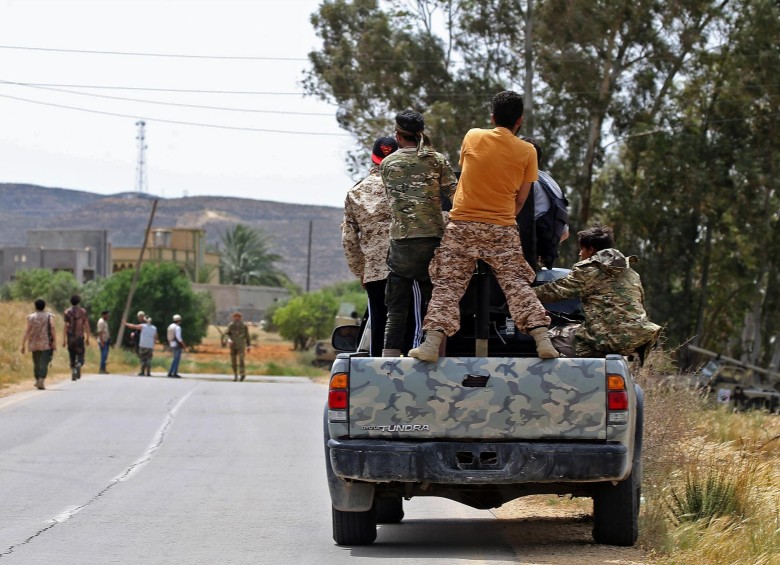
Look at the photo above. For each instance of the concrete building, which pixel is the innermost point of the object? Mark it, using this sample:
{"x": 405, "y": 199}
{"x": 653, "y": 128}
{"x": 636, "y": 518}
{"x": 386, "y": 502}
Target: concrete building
{"x": 252, "y": 301}
{"x": 184, "y": 246}
{"x": 84, "y": 253}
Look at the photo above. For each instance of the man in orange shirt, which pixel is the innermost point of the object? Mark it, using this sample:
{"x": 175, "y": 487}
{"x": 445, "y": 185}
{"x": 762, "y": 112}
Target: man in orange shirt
{"x": 497, "y": 169}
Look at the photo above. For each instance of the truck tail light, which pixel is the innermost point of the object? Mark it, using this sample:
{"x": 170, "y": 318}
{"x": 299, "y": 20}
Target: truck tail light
{"x": 338, "y": 397}
{"x": 617, "y": 400}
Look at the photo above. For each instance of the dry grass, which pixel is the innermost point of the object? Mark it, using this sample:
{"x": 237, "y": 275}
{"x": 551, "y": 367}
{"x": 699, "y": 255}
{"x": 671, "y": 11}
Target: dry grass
{"x": 712, "y": 478}
{"x": 274, "y": 356}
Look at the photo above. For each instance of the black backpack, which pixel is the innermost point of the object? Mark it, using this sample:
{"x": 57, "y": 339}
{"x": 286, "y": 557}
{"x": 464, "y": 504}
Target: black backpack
{"x": 550, "y": 225}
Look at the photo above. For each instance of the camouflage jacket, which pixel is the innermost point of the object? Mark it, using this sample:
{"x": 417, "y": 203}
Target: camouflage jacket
{"x": 365, "y": 230}
{"x": 238, "y": 333}
{"x": 413, "y": 183}
{"x": 612, "y": 300}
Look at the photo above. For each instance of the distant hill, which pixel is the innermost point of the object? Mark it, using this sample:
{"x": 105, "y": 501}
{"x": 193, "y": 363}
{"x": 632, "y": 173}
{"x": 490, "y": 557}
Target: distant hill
{"x": 24, "y": 207}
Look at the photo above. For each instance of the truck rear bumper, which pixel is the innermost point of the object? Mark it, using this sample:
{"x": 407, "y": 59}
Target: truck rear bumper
{"x": 477, "y": 463}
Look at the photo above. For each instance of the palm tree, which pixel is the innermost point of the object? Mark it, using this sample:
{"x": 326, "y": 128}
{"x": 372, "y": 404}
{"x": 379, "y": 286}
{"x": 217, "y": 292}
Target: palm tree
{"x": 246, "y": 259}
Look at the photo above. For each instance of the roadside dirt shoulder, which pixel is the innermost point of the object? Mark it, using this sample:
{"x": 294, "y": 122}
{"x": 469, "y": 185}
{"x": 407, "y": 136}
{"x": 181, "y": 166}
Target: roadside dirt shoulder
{"x": 547, "y": 530}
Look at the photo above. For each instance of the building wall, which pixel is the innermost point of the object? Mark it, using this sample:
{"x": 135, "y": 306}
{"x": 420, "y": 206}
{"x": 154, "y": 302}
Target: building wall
{"x": 251, "y": 301}
{"x": 93, "y": 241}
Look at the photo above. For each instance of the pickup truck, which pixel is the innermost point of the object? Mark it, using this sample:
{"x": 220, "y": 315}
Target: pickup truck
{"x": 489, "y": 423}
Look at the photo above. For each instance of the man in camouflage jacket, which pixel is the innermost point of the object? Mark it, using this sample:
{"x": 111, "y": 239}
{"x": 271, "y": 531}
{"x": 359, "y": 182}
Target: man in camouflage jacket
{"x": 612, "y": 300}
{"x": 237, "y": 334}
{"x": 365, "y": 236}
{"x": 414, "y": 177}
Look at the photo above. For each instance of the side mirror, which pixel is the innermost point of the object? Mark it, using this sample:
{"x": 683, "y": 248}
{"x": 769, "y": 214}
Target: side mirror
{"x": 345, "y": 338}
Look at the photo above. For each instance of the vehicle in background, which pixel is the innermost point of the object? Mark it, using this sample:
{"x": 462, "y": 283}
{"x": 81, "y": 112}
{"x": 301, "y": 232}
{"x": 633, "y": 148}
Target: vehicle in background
{"x": 739, "y": 385}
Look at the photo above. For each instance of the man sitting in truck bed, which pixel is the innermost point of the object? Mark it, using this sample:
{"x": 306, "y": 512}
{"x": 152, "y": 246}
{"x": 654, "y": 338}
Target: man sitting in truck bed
{"x": 612, "y": 301}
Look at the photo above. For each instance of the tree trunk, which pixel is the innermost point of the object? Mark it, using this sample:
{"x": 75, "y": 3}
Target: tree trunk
{"x": 528, "y": 119}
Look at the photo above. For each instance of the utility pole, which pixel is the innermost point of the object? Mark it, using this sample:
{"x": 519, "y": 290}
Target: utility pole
{"x": 140, "y": 168}
{"x": 308, "y": 259}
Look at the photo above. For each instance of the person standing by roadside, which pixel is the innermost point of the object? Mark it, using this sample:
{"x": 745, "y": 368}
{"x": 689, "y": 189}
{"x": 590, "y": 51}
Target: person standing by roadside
{"x": 497, "y": 172}
{"x": 176, "y": 344}
{"x": 41, "y": 340}
{"x": 76, "y": 335}
{"x": 238, "y": 339}
{"x": 104, "y": 340}
{"x": 146, "y": 337}
{"x": 414, "y": 177}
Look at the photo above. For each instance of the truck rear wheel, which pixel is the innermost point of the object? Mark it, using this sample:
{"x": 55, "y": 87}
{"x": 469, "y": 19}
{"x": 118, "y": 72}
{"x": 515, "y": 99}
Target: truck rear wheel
{"x": 354, "y": 528}
{"x": 389, "y": 509}
{"x": 616, "y": 512}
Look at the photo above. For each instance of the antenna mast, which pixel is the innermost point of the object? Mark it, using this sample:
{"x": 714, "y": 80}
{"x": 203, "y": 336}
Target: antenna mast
{"x": 140, "y": 168}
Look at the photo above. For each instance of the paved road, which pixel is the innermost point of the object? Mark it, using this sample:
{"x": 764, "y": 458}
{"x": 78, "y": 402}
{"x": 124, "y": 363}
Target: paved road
{"x": 119, "y": 469}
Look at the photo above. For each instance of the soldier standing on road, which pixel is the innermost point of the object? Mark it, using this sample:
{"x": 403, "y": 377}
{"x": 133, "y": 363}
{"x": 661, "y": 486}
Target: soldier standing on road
{"x": 104, "y": 340}
{"x": 414, "y": 177}
{"x": 41, "y": 340}
{"x": 612, "y": 300}
{"x": 76, "y": 335}
{"x": 238, "y": 339}
{"x": 497, "y": 172}
{"x": 146, "y": 337}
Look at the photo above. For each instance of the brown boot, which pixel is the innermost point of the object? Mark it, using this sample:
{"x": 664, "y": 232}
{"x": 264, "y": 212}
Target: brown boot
{"x": 544, "y": 347}
{"x": 428, "y": 349}
{"x": 391, "y": 353}
{"x": 39, "y": 383}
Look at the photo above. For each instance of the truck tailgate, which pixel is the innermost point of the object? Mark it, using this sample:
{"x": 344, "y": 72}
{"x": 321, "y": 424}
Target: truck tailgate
{"x": 481, "y": 398}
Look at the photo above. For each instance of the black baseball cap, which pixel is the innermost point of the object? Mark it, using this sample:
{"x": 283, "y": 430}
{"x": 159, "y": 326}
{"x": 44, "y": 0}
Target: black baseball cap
{"x": 383, "y": 146}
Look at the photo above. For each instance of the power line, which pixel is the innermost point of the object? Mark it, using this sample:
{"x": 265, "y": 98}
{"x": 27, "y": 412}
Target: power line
{"x": 177, "y": 122}
{"x": 154, "y": 89}
{"x": 139, "y": 54}
{"x": 158, "y": 102}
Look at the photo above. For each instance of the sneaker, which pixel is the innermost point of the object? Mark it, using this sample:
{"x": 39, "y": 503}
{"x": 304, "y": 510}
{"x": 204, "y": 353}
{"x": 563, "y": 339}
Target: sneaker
{"x": 74, "y": 374}
{"x": 141, "y": 374}
{"x": 78, "y": 371}
{"x": 243, "y": 377}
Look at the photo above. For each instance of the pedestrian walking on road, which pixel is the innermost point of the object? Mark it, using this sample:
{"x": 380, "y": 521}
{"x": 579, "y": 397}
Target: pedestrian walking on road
{"x": 176, "y": 344}
{"x": 238, "y": 340}
{"x": 76, "y": 335}
{"x": 41, "y": 340}
{"x": 104, "y": 340}
{"x": 146, "y": 337}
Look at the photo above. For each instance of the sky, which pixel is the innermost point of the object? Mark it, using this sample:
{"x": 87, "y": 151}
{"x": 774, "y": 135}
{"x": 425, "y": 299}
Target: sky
{"x": 68, "y": 117}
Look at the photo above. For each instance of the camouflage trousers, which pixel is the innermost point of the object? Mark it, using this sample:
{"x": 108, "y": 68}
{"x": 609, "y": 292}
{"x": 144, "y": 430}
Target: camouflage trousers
{"x": 145, "y": 355}
{"x": 237, "y": 360}
{"x": 453, "y": 265}
{"x": 562, "y": 338}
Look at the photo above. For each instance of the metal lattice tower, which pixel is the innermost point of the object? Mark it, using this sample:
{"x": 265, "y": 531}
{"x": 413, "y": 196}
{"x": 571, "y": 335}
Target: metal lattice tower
{"x": 140, "y": 168}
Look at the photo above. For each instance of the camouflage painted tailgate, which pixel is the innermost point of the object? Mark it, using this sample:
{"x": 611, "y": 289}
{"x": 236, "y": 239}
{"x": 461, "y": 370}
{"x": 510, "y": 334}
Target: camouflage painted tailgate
{"x": 480, "y": 398}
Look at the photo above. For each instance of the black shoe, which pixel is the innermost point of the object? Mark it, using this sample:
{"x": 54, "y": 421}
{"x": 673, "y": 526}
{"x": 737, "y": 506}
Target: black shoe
{"x": 243, "y": 377}
{"x": 141, "y": 374}
{"x": 73, "y": 374}
{"x": 176, "y": 376}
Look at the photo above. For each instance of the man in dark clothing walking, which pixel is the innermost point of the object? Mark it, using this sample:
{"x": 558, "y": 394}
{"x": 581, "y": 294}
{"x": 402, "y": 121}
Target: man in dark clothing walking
{"x": 76, "y": 335}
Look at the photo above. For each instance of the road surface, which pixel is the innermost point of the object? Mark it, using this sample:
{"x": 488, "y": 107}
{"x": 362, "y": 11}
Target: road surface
{"x": 199, "y": 470}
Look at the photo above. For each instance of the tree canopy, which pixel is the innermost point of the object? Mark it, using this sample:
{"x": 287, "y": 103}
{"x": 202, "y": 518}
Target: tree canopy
{"x": 246, "y": 259}
{"x": 658, "y": 118}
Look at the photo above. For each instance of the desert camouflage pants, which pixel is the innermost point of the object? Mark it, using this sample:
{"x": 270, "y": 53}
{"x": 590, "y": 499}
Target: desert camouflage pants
{"x": 237, "y": 360}
{"x": 453, "y": 265}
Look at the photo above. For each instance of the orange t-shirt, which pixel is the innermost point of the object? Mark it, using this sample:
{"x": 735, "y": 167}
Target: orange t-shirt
{"x": 494, "y": 164}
